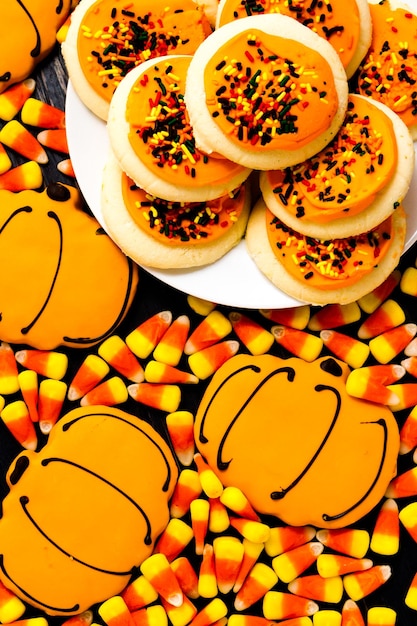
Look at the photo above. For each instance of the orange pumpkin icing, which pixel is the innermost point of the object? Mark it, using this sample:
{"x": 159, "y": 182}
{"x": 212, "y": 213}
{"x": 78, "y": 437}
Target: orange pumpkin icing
{"x": 388, "y": 72}
{"x": 338, "y": 22}
{"x": 331, "y": 263}
{"x": 270, "y": 92}
{"x": 344, "y": 178}
{"x": 286, "y": 433}
{"x": 116, "y": 36}
{"x": 57, "y": 259}
{"x": 27, "y": 33}
{"x": 107, "y": 510}
{"x": 160, "y": 130}
{"x": 182, "y": 223}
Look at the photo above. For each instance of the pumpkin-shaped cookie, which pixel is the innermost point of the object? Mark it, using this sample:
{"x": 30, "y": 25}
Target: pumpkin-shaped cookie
{"x": 290, "y": 437}
{"x": 85, "y": 511}
{"x": 27, "y": 33}
{"x": 66, "y": 283}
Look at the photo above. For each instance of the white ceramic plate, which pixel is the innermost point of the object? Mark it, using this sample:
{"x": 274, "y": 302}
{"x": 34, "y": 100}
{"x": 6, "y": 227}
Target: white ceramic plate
{"x": 234, "y": 280}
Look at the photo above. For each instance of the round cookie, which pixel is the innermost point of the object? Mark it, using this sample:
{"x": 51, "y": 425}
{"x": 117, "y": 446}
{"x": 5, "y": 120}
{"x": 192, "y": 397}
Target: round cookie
{"x": 388, "y": 72}
{"x": 266, "y": 92}
{"x": 107, "y": 512}
{"x": 58, "y": 258}
{"x": 157, "y": 233}
{"x": 345, "y": 24}
{"x": 108, "y": 38}
{"x": 153, "y": 141}
{"x": 324, "y": 271}
{"x": 320, "y": 456}
{"x": 28, "y": 34}
{"x": 354, "y": 183}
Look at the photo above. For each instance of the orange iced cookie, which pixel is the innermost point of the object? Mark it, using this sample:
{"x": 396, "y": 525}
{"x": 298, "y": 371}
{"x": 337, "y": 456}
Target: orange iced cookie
{"x": 58, "y": 258}
{"x": 104, "y": 519}
{"x": 108, "y": 38}
{"x": 153, "y": 140}
{"x": 319, "y": 456}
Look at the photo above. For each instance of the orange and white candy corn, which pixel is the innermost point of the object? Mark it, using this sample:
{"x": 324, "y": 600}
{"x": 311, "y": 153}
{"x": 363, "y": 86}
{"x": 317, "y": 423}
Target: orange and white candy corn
{"x": 28, "y": 175}
{"x": 251, "y": 553}
{"x": 219, "y": 520}
{"x": 145, "y": 337}
{"x": 327, "y": 617}
{"x": 186, "y": 576}
{"x": 210, "y": 483}
{"x": 164, "y": 397}
{"x": 139, "y": 593}
{"x": 180, "y": 426}
{"x": 200, "y": 305}
{"x": 16, "y": 417}
{"x": 200, "y": 513}
{"x": 351, "y": 541}
{"x": 317, "y": 588}
{"x": 65, "y": 167}
{"x": 295, "y": 317}
{"x": 386, "y": 346}
{"x": 158, "y": 372}
{"x": 154, "y": 615}
{"x": 284, "y": 538}
{"x": 108, "y": 393}
{"x": 250, "y": 529}
{"x": 211, "y": 330}
{"x": 408, "y": 284}
{"x": 228, "y": 557}
{"x": 403, "y": 485}
{"x": 119, "y": 356}
{"x": 82, "y": 619}
{"x": 47, "y": 363}
{"x": 52, "y": 394}
{"x": 411, "y": 595}
{"x": 347, "y": 349}
{"x": 187, "y": 489}
{"x": 210, "y": 614}
{"x": 408, "y": 432}
{"x": 179, "y": 615}
{"x": 54, "y": 138}
{"x": 235, "y": 500}
{"x": 207, "y": 581}
{"x": 385, "y": 538}
{"x": 351, "y": 614}
{"x": 298, "y": 342}
{"x": 174, "y": 539}
{"x": 407, "y": 394}
{"x": 11, "y": 607}
{"x": 256, "y": 339}
{"x": 158, "y": 572}
{"x": 387, "y": 316}
{"x": 371, "y": 301}
{"x": 335, "y": 315}
{"x": 207, "y": 361}
{"x": 90, "y": 373}
{"x": 15, "y": 96}
{"x": 258, "y": 582}
{"x": 37, "y": 113}
{"x": 361, "y": 384}
{"x": 279, "y": 605}
{"x": 408, "y": 517}
{"x": 5, "y": 161}
{"x": 358, "y": 585}
{"x": 381, "y": 616}
{"x": 114, "y": 612}
{"x": 9, "y": 381}
{"x": 329, "y": 565}
{"x": 410, "y": 363}
{"x": 29, "y": 388}
{"x": 15, "y": 136}
{"x": 170, "y": 347}
{"x": 293, "y": 563}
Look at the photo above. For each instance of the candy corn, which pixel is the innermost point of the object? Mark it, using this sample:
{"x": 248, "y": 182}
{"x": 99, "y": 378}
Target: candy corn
{"x": 371, "y": 301}
{"x": 361, "y": 384}
{"x": 28, "y": 383}
{"x": 236, "y": 501}
{"x": 258, "y": 582}
{"x": 410, "y": 365}
{"x": 408, "y": 284}
{"x": 174, "y": 539}
{"x": 237, "y": 619}
{"x": 298, "y": 342}
{"x": 171, "y": 346}
{"x": 163, "y": 397}
{"x": 90, "y": 373}
{"x": 158, "y": 572}
{"x": 351, "y": 541}
{"x": 65, "y": 167}
{"x": 14, "y": 135}
{"x": 327, "y": 617}
{"x": 294, "y": 317}
{"x": 37, "y": 113}
{"x": 411, "y": 595}
{"x": 179, "y": 615}
{"x": 329, "y": 565}
{"x": 22, "y": 177}
{"x": 385, "y": 317}
{"x": 17, "y": 419}
{"x": 408, "y": 517}
{"x": 381, "y": 616}
{"x": 256, "y": 339}
{"x": 199, "y": 305}
{"x": 55, "y": 139}
{"x": 5, "y": 161}
{"x": 210, "y": 614}
{"x": 284, "y": 538}
{"x": 403, "y": 485}
{"x": 407, "y": 394}
{"x": 207, "y": 581}
{"x": 334, "y": 315}
{"x": 317, "y": 588}
{"x": 154, "y": 615}
{"x": 82, "y": 619}
{"x": 351, "y": 614}
{"x": 228, "y": 557}
{"x": 186, "y": 576}
{"x": 180, "y": 425}
{"x": 219, "y": 520}
{"x": 360, "y": 584}
{"x": 114, "y": 612}
{"x": 9, "y": 381}
{"x": 385, "y": 538}
{"x": 139, "y": 593}
{"x": 11, "y": 607}
{"x": 108, "y": 393}
{"x": 207, "y": 361}
{"x": 52, "y": 394}
{"x": 348, "y": 349}
{"x": 279, "y": 605}
{"x": 12, "y": 100}
{"x": 389, "y": 344}
{"x": 187, "y": 489}
{"x": 211, "y": 330}
{"x": 47, "y": 363}
{"x": 251, "y": 553}
{"x": 293, "y": 563}
{"x": 118, "y": 355}
{"x": 210, "y": 483}
{"x": 200, "y": 513}
{"x": 147, "y": 335}
{"x": 158, "y": 372}
{"x": 250, "y": 529}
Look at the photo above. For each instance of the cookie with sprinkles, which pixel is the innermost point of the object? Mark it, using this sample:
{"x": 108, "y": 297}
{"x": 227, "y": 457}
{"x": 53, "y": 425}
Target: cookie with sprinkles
{"x": 324, "y": 271}
{"x": 266, "y": 92}
{"x": 162, "y": 234}
{"x": 345, "y": 24}
{"x": 108, "y": 38}
{"x": 354, "y": 183}
{"x": 153, "y": 141}
{"x": 388, "y": 72}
